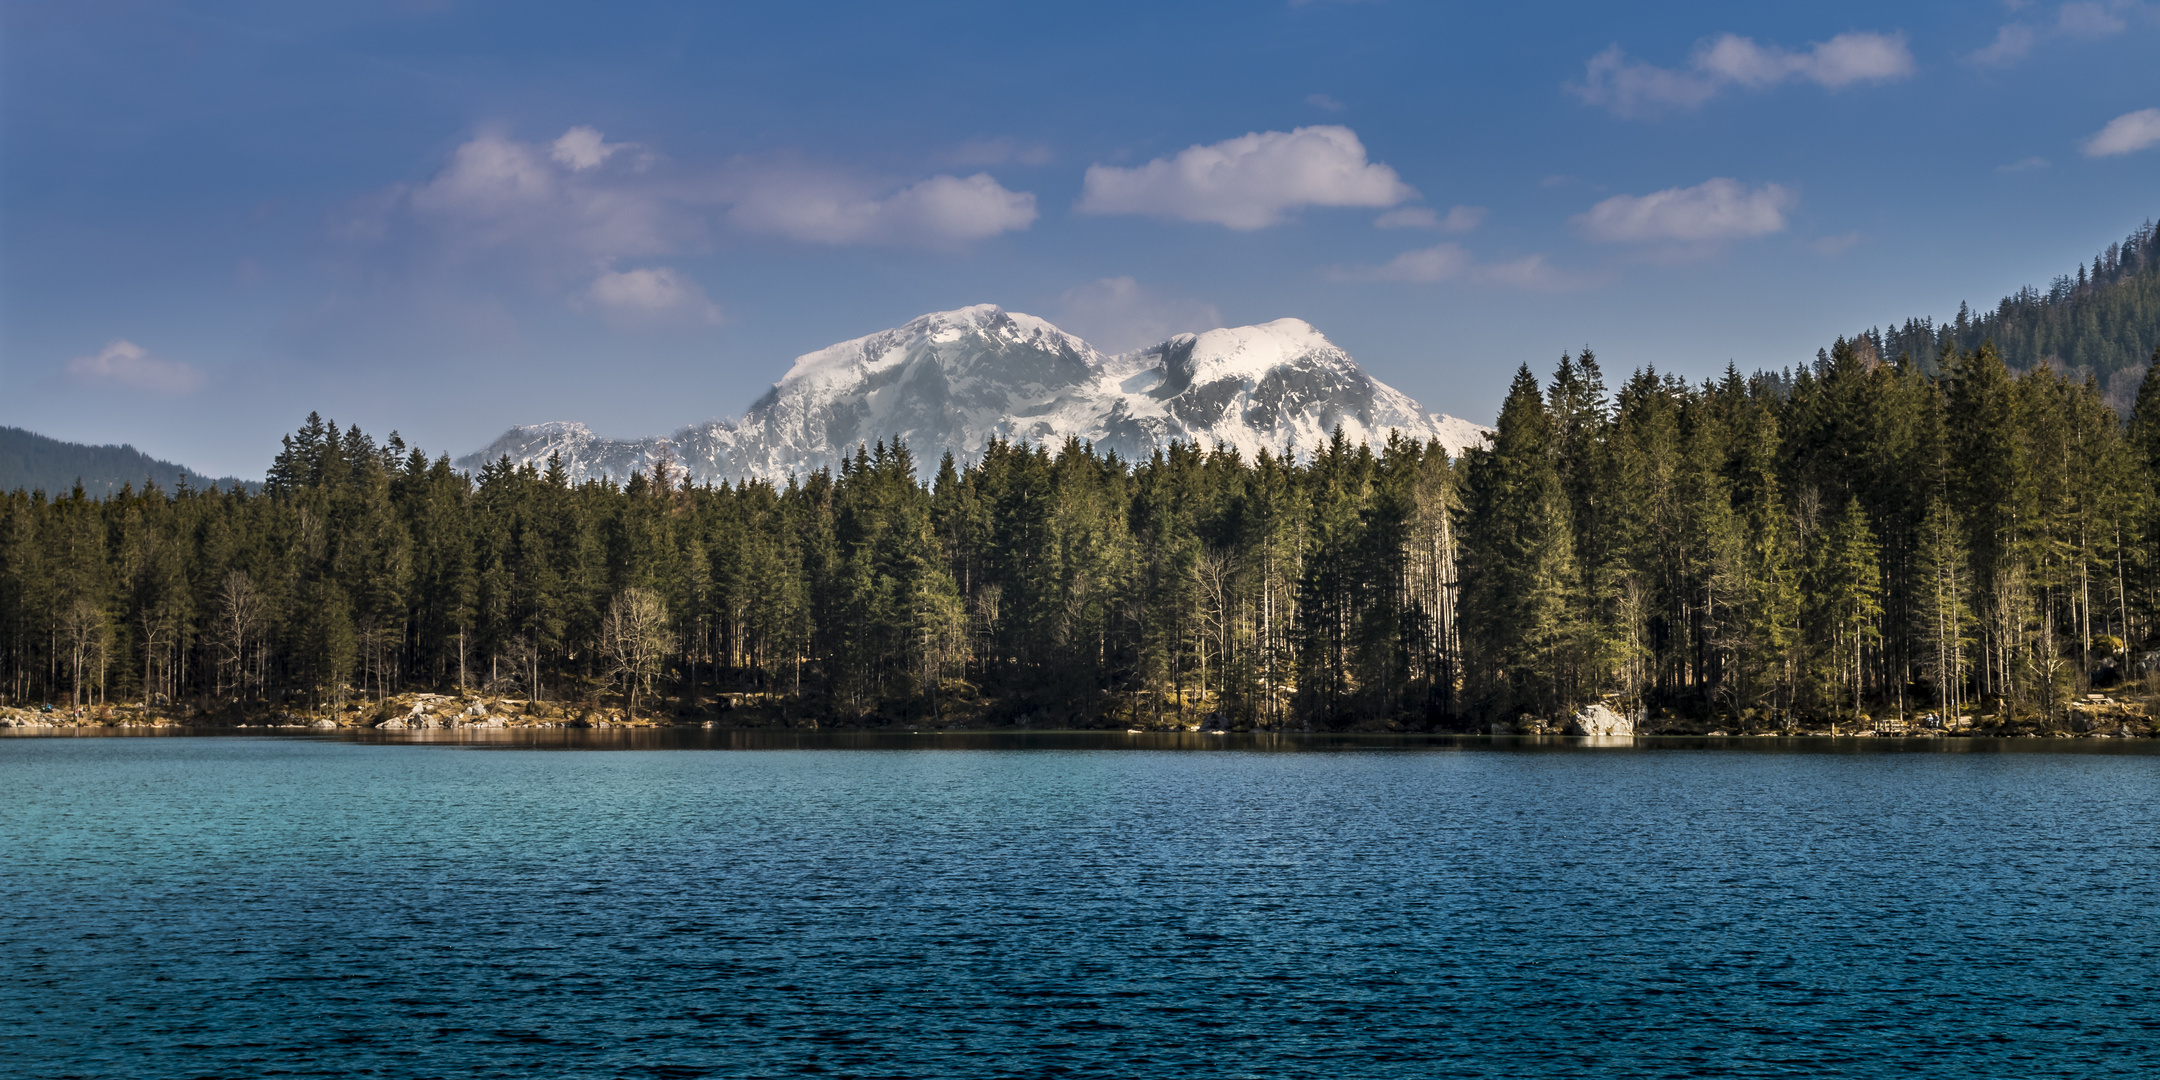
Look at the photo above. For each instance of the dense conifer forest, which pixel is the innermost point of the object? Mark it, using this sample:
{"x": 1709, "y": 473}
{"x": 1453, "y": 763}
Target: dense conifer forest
{"x": 1861, "y": 536}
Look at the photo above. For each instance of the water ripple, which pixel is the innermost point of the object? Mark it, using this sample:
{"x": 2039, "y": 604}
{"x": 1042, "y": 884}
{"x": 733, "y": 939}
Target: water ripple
{"x": 255, "y": 907}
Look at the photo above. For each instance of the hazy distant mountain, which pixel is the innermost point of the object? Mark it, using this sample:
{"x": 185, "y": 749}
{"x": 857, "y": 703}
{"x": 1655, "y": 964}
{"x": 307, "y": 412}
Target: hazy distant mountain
{"x": 2102, "y": 321}
{"x": 953, "y": 380}
{"x": 32, "y": 461}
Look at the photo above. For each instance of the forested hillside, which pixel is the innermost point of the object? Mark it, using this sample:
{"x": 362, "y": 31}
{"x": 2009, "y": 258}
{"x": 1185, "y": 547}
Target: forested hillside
{"x": 32, "y": 461}
{"x": 2102, "y": 321}
{"x": 1862, "y": 537}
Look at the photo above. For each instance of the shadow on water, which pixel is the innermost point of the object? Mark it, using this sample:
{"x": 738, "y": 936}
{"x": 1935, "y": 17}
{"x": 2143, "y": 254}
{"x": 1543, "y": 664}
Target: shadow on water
{"x": 690, "y": 738}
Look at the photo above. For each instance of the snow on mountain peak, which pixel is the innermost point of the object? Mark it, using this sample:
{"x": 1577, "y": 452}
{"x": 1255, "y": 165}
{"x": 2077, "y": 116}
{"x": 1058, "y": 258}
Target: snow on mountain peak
{"x": 950, "y": 381}
{"x": 1252, "y": 351}
{"x": 849, "y": 360}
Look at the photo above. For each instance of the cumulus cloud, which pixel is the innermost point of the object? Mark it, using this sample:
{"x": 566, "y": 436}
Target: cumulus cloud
{"x": 2092, "y": 20}
{"x": 649, "y": 296}
{"x": 2126, "y": 134}
{"x": 1714, "y": 210}
{"x": 489, "y": 175}
{"x": 1459, "y": 219}
{"x": 576, "y": 206}
{"x": 1632, "y": 89}
{"x": 1837, "y": 63}
{"x": 582, "y": 148}
{"x": 1324, "y": 103}
{"x": 2012, "y": 42}
{"x": 2082, "y": 19}
{"x": 556, "y": 213}
{"x": 1117, "y": 314}
{"x": 1635, "y": 89}
{"x": 499, "y": 193}
{"x": 1250, "y": 182}
{"x": 1452, "y": 262}
{"x": 826, "y": 207}
{"x": 125, "y": 365}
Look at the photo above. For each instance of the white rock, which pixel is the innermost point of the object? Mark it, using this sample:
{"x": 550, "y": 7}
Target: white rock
{"x": 1598, "y": 719}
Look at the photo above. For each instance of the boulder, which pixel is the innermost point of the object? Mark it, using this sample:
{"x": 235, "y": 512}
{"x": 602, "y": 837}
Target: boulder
{"x": 1600, "y": 719}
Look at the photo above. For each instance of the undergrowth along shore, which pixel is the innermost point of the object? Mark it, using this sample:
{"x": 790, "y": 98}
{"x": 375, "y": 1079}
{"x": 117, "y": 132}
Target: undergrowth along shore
{"x": 2097, "y": 717}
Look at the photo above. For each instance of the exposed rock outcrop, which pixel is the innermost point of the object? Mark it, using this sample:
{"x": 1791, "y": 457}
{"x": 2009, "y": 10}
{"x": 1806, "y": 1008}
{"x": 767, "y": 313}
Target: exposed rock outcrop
{"x": 1600, "y": 719}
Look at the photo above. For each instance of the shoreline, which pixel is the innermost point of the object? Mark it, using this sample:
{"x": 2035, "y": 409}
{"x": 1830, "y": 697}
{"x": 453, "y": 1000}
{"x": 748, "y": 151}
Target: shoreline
{"x": 2098, "y": 717}
{"x": 11, "y": 727}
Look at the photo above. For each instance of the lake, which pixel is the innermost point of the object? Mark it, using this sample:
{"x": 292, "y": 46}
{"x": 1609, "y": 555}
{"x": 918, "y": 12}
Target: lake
{"x": 679, "y": 904}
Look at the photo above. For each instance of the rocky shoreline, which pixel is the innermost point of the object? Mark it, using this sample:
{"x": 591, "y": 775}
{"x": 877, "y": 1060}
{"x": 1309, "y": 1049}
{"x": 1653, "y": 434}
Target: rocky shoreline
{"x": 2097, "y": 716}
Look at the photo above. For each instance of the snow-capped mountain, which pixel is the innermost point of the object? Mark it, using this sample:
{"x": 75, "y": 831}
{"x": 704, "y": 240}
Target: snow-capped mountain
{"x": 954, "y": 380}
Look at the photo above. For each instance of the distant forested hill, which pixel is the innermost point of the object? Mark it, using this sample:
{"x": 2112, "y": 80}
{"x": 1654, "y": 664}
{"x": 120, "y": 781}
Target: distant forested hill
{"x": 2103, "y": 321}
{"x": 32, "y": 461}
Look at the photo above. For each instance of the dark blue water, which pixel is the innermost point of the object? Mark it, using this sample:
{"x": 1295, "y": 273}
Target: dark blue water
{"x": 252, "y": 907}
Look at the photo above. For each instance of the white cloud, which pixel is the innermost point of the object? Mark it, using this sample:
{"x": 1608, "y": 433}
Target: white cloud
{"x": 2091, "y": 20}
{"x": 1714, "y": 210}
{"x": 1728, "y": 60}
{"x": 2011, "y": 43}
{"x": 1324, "y": 102}
{"x": 1459, "y": 219}
{"x": 1117, "y": 314}
{"x": 2082, "y": 19}
{"x": 582, "y": 148}
{"x": 2126, "y": 134}
{"x": 1463, "y": 218}
{"x": 1631, "y": 89}
{"x": 825, "y": 207}
{"x": 489, "y": 175}
{"x": 1250, "y": 182}
{"x": 1837, "y": 63}
{"x": 1440, "y": 262}
{"x": 2023, "y": 165}
{"x": 125, "y": 365}
{"x": 498, "y": 193}
{"x": 1451, "y": 262}
{"x": 562, "y": 216}
{"x": 650, "y": 296}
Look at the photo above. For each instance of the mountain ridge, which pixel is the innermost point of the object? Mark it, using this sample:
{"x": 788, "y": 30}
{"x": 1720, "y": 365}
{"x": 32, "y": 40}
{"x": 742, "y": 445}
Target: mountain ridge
{"x": 33, "y": 462}
{"x": 951, "y": 381}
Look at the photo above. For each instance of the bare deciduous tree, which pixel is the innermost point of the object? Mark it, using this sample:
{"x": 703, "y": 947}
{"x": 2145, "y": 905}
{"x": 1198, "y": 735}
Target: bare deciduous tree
{"x": 239, "y": 621}
{"x": 634, "y": 639}
{"x": 83, "y": 625}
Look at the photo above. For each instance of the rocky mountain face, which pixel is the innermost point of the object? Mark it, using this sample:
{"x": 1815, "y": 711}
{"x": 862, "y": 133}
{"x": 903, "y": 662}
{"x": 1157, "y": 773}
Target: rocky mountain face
{"x": 954, "y": 380}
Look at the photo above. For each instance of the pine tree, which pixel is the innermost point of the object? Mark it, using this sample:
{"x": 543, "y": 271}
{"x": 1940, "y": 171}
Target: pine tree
{"x": 1521, "y": 591}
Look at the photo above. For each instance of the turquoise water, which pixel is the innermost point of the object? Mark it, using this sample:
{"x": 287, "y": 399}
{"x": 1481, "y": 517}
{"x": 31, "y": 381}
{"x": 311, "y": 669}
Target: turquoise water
{"x": 289, "y": 906}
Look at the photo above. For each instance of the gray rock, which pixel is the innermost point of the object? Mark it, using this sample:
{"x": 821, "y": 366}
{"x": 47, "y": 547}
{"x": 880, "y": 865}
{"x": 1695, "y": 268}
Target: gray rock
{"x": 1599, "y": 719}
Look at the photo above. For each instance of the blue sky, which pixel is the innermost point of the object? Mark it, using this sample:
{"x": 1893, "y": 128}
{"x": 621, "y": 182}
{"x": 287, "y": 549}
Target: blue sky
{"x": 449, "y": 217}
